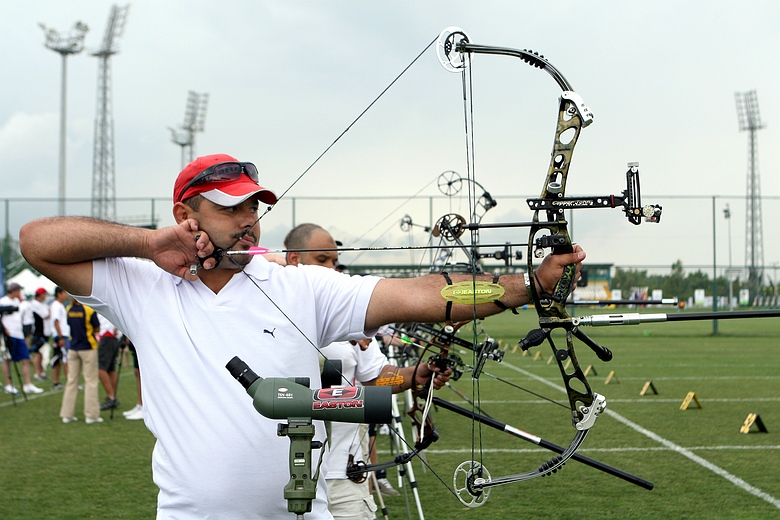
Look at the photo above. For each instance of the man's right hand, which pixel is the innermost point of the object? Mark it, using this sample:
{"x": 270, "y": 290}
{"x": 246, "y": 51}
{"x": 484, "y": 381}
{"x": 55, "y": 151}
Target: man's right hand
{"x": 176, "y": 248}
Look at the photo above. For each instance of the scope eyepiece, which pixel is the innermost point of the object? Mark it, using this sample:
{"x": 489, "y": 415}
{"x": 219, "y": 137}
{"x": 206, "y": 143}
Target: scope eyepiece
{"x": 241, "y": 371}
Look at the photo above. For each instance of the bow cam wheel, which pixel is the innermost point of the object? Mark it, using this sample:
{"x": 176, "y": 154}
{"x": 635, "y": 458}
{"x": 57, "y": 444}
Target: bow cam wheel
{"x": 450, "y": 227}
{"x": 467, "y": 475}
{"x": 450, "y": 183}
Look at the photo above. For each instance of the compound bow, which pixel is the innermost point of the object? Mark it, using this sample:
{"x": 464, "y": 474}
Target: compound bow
{"x": 548, "y": 231}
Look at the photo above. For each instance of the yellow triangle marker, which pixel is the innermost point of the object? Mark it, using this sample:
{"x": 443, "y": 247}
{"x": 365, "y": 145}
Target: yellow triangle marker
{"x": 589, "y": 369}
{"x": 648, "y": 386}
{"x": 688, "y": 399}
{"x": 751, "y": 420}
{"x": 612, "y": 376}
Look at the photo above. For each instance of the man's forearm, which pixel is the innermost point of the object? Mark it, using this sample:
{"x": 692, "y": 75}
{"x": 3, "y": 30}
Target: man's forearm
{"x": 62, "y": 248}
{"x": 401, "y": 300}
{"x": 420, "y": 299}
{"x": 71, "y": 240}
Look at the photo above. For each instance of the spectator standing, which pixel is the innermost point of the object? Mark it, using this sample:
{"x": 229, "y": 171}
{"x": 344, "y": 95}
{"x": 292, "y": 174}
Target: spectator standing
{"x": 40, "y": 335}
{"x": 136, "y": 413}
{"x": 108, "y": 349}
{"x": 58, "y": 315}
{"x": 15, "y": 343}
{"x": 82, "y": 357}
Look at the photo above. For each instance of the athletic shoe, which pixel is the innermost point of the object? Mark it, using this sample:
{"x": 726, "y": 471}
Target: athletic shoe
{"x": 32, "y": 389}
{"x": 136, "y": 415}
{"x": 10, "y": 389}
{"x": 57, "y": 386}
{"x": 133, "y": 409}
{"x": 386, "y": 488}
{"x": 93, "y": 421}
{"x": 67, "y": 420}
{"x": 109, "y": 403}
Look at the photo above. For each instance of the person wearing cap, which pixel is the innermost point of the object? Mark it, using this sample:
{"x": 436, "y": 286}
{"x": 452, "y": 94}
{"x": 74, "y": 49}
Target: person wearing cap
{"x": 194, "y": 307}
{"x": 14, "y": 340}
{"x": 40, "y": 332}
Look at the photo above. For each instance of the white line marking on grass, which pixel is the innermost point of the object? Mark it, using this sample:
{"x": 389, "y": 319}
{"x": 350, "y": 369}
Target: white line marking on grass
{"x": 669, "y": 444}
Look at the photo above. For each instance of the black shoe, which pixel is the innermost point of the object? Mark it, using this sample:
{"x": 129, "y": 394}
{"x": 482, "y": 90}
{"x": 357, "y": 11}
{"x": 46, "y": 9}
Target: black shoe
{"x": 109, "y": 403}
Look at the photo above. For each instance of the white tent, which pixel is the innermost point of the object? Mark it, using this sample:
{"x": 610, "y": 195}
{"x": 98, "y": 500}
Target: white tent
{"x": 30, "y": 283}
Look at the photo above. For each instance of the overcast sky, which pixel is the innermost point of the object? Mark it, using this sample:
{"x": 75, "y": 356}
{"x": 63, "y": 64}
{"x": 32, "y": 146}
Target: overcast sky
{"x": 285, "y": 78}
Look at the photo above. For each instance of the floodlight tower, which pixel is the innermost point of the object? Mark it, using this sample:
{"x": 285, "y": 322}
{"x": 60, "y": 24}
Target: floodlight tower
{"x": 72, "y": 43}
{"x": 750, "y": 121}
{"x": 103, "y": 187}
{"x": 194, "y": 121}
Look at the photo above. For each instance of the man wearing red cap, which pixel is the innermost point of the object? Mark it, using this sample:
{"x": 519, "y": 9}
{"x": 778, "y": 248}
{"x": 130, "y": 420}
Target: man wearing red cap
{"x": 194, "y": 308}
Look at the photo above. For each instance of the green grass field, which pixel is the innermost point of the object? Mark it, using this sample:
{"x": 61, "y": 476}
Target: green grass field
{"x": 701, "y": 464}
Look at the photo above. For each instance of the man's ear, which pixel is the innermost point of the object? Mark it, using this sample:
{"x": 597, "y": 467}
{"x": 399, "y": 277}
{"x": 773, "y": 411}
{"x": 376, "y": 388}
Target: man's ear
{"x": 182, "y": 212}
{"x": 293, "y": 258}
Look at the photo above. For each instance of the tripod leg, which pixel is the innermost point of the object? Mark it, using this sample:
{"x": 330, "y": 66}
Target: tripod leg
{"x": 398, "y": 426}
{"x": 120, "y": 356}
{"x": 382, "y": 506}
{"x": 19, "y": 377}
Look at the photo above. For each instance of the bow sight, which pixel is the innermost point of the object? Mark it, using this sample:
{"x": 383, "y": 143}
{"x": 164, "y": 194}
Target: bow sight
{"x": 630, "y": 201}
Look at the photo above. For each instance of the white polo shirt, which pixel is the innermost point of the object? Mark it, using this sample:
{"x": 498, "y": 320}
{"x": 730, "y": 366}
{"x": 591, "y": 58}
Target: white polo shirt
{"x": 215, "y": 456}
{"x": 357, "y": 366}
{"x": 59, "y": 314}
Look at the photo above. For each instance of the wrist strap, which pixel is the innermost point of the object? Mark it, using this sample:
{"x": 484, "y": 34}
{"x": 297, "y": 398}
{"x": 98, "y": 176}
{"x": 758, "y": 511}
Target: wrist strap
{"x": 528, "y": 289}
{"x": 501, "y": 305}
{"x": 448, "y": 312}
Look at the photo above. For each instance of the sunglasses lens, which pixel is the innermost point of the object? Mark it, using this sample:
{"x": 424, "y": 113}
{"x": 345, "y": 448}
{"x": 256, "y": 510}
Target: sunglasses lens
{"x": 251, "y": 171}
{"x": 225, "y": 172}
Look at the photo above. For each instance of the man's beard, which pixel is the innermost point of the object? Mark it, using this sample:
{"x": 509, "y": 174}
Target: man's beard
{"x": 237, "y": 261}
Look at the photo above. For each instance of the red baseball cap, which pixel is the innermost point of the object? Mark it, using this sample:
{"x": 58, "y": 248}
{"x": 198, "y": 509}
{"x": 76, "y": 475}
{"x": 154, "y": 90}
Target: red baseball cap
{"x": 224, "y": 193}
{"x": 40, "y": 291}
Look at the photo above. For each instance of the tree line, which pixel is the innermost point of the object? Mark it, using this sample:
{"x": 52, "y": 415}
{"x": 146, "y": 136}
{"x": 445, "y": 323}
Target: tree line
{"x": 678, "y": 283}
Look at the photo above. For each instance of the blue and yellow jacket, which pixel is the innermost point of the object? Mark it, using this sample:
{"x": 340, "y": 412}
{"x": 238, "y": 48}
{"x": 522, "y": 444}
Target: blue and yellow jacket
{"x": 84, "y": 324}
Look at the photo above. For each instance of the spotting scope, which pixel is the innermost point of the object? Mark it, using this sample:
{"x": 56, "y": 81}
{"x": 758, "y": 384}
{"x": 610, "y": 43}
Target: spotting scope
{"x": 283, "y": 398}
{"x": 292, "y": 399}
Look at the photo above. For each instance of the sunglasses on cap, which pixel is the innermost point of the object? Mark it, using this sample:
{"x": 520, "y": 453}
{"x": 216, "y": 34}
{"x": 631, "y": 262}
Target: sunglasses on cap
{"x": 226, "y": 171}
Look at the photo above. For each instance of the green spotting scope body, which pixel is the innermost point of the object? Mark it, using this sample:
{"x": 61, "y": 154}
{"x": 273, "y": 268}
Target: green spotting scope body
{"x": 284, "y": 398}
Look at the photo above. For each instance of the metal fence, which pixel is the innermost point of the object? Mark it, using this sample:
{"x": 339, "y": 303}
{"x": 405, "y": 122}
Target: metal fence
{"x": 693, "y": 228}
